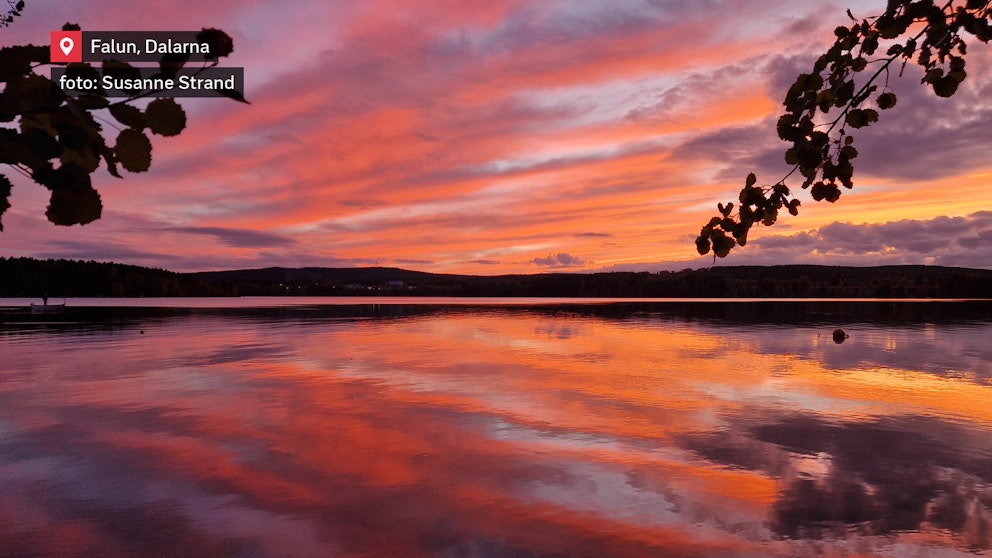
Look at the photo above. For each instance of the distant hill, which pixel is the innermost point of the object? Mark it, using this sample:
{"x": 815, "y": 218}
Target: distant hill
{"x": 26, "y": 277}
{"x": 323, "y": 275}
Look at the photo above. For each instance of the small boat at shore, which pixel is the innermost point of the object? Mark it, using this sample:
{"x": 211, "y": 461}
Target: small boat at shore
{"x": 47, "y": 308}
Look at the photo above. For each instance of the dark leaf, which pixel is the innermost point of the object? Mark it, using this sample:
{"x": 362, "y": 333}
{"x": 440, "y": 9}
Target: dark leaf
{"x": 122, "y": 70}
{"x": 90, "y": 102}
{"x": 844, "y": 93}
{"x": 740, "y": 232}
{"x": 234, "y": 94}
{"x": 165, "y": 117}
{"x": 75, "y": 128}
{"x": 819, "y": 190}
{"x": 702, "y": 245}
{"x": 32, "y": 149}
{"x": 129, "y": 116}
{"x": 172, "y": 62}
{"x": 825, "y": 191}
{"x": 40, "y": 143}
{"x": 945, "y": 86}
{"x": 722, "y": 244}
{"x": 28, "y": 94}
{"x": 793, "y": 207}
{"x": 933, "y": 75}
{"x": 133, "y": 150}
{"x": 74, "y": 207}
{"x": 785, "y": 128}
{"x": 909, "y": 49}
{"x": 870, "y": 44}
{"x": 824, "y": 99}
{"x": 108, "y": 157}
{"x": 856, "y": 118}
{"x": 220, "y": 43}
{"x": 82, "y": 70}
{"x": 770, "y": 216}
{"x": 66, "y": 177}
{"x": 809, "y": 159}
{"x": 886, "y": 100}
{"x": 16, "y": 61}
{"x": 85, "y": 158}
{"x": 890, "y": 27}
{"x": 39, "y": 121}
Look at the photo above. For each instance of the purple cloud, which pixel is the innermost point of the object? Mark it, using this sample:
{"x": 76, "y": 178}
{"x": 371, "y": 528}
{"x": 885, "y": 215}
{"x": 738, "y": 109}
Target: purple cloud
{"x": 951, "y": 241}
{"x": 238, "y": 238}
{"x": 911, "y": 142}
{"x": 561, "y": 259}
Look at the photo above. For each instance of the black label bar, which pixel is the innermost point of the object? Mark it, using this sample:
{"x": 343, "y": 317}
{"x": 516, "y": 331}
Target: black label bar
{"x": 187, "y": 82}
{"x": 144, "y": 46}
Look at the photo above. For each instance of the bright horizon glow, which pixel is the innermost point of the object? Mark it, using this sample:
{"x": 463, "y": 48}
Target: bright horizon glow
{"x": 513, "y": 137}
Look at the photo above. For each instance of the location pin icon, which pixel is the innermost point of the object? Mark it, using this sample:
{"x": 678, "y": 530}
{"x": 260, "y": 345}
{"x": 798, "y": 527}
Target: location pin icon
{"x": 66, "y": 45}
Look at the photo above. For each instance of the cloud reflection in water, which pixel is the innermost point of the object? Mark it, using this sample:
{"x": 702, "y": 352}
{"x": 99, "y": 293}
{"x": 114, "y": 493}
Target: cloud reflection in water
{"x": 383, "y": 431}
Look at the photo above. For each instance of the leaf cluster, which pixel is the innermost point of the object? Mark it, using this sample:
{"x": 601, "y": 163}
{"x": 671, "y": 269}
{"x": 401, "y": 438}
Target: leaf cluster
{"x": 823, "y": 105}
{"x": 58, "y": 141}
{"x": 14, "y": 10}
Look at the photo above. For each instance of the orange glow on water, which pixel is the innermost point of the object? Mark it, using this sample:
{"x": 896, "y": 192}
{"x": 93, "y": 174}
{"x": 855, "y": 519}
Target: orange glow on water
{"x": 597, "y": 434}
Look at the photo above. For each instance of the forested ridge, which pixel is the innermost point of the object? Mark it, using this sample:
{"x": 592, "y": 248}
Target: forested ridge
{"x": 27, "y": 277}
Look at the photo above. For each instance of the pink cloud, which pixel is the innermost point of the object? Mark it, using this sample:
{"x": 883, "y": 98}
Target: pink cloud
{"x": 456, "y": 132}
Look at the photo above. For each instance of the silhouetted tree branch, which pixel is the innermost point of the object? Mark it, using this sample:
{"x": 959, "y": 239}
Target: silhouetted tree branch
{"x": 55, "y": 139}
{"x": 822, "y": 149}
{"x": 14, "y": 10}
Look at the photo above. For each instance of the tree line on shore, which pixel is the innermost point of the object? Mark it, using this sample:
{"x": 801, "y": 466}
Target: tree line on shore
{"x": 27, "y": 277}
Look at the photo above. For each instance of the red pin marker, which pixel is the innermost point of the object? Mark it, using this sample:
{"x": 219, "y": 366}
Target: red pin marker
{"x": 67, "y": 46}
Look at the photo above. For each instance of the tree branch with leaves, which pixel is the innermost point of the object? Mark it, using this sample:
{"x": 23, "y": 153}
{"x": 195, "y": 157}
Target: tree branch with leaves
{"x": 14, "y": 9}
{"x": 823, "y": 106}
{"x": 56, "y": 139}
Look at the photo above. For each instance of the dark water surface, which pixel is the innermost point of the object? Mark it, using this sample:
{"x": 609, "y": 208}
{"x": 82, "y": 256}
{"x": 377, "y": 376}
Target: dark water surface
{"x": 627, "y": 429}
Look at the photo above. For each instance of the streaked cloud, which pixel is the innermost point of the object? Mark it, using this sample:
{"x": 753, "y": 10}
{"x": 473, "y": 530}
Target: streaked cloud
{"x": 484, "y": 138}
{"x": 238, "y": 238}
{"x": 593, "y": 235}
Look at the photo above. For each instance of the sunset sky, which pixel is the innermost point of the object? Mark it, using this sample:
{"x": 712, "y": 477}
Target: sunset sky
{"x": 507, "y": 136}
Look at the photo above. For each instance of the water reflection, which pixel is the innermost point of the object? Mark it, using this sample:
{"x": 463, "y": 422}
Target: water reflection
{"x": 618, "y": 430}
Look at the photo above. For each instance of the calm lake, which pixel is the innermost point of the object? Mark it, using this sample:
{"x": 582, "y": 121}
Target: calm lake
{"x": 357, "y": 427}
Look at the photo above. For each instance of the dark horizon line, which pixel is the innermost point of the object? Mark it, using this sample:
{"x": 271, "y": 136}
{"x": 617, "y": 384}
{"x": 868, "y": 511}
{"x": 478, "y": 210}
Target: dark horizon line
{"x": 552, "y": 271}
{"x": 29, "y": 276}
